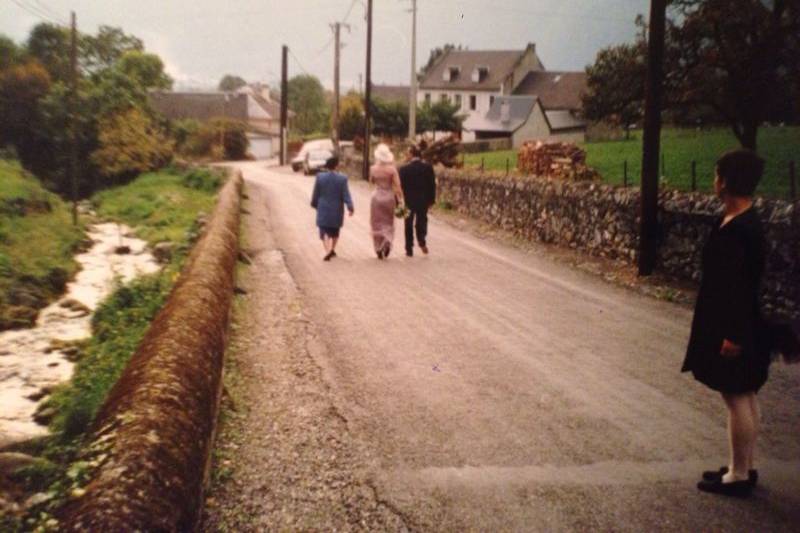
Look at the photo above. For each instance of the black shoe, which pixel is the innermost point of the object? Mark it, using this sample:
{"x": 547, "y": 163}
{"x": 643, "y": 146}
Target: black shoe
{"x": 424, "y": 249}
{"x": 409, "y": 253}
{"x": 379, "y": 253}
{"x": 329, "y": 256}
{"x": 386, "y": 252}
{"x": 737, "y": 489}
{"x": 711, "y": 475}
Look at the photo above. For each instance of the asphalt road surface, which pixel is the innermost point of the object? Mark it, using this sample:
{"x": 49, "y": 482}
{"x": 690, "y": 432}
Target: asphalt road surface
{"x": 490, "y": 388}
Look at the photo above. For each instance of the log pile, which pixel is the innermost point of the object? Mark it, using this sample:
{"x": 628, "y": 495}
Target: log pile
{"x": 444, "y": 151}
{"x": 557, "y": 160}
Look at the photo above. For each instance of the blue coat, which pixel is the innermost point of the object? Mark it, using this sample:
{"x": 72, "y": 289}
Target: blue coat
{"x": 330, "y": 195}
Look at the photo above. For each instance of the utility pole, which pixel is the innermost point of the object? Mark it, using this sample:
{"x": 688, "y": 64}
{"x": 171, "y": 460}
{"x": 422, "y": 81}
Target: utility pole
{"x": 368, "y": 94}
{"x": 284, "y": 102}
{"x": 337, "y": 26}
{"x": 412, "y": 97}
{"x": 73, "y": 100}
{"x": 648, "y": 235}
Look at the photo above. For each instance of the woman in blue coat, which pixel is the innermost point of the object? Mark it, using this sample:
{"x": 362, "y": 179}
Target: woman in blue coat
{"x": 330, "y": 195}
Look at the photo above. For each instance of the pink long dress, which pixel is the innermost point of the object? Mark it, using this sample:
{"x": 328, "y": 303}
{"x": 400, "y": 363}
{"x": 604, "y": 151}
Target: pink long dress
{"x": 381, "y": 215}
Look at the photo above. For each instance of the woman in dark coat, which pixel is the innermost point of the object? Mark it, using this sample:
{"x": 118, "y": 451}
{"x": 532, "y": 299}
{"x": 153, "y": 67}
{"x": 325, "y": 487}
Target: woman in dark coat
{"x": 725, "y": 350}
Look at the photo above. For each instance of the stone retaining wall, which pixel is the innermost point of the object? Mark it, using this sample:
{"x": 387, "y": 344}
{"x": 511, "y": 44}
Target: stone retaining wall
{"x": 604, "y": 221}
{"x": 147, "y": 456}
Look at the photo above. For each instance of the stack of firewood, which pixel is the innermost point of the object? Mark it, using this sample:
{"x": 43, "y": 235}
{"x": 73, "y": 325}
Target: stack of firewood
{"x": 558, "y": 160}
{"x": 445, "y": 151}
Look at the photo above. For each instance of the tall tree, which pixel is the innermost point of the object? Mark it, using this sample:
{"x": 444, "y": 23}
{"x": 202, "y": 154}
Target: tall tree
{"x": 10, "y": 53}
{"x": 146, "y": 70}
{"x": 739, "y": 56}
{"x": 307, "y": 99}
{"x": 231, "y": 83}
{"x": 103, "y": 50}
{"x": 49, "y": 44}
{"x": 615, "y": 91}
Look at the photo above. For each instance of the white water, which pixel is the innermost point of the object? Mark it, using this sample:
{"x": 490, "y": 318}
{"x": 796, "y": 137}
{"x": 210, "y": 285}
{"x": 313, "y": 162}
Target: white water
{"x": 25, "y": 366}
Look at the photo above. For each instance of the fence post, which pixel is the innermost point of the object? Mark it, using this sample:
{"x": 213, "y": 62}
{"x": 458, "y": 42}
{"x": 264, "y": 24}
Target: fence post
{"x": 694, "y": 175}
{"x": 625, "y": 173}
{"x": 792, "y": 185}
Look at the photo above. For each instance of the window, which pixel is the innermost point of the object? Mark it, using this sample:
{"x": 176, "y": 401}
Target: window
{"x": 479, "y": 74}
{"x": 491, "y": 100}
{"x": 458, "y": 101}
{"x": 451, "y": 74}
{"x": 473, "y": 102}
{"x": 427, "y": 98}
{"x": 444, "y": 97}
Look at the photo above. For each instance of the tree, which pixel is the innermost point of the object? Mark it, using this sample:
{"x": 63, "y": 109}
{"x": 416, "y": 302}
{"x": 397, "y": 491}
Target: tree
{"x": 10, "y": 53}
{"x": 129, "y": 144}
{"x": 145, "y": 70}
{"x": 615, "y": 82}
{"x": 389, "y": 118}
{"x": 445, "y": 116}
{"x": 351, "y": 117}
{"x": 21, "y": 88}
{"x": 231, "y": 83}
{"x": 103, "y": 50}
{"x": 741, "y": 57}
{"x": 50, "y": 45}
{"x": 307, "y": 99}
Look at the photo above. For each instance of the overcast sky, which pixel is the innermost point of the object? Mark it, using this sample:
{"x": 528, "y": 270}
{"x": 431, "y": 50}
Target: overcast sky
{"x": 201, "y": 40}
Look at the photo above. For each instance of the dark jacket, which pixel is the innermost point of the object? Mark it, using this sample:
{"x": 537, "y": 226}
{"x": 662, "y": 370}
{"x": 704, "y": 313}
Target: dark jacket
{"x": 330, "y": 195}
{"x": 419, "y": 184}
{"x": 727, "y": 307}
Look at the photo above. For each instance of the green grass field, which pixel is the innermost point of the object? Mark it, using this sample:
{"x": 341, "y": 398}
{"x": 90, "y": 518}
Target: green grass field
{"x": 679, "y": 147}
{"x": 37, "y": 243}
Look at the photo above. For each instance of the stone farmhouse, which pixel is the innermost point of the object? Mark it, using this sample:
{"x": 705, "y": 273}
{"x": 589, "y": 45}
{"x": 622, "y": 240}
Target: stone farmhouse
{"x": 507, "y": 94}
{"x": 251, "y": 104}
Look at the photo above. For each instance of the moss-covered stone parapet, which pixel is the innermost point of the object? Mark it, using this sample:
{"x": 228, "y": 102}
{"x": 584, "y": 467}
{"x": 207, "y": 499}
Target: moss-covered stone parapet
{"x": 148, "y": 452}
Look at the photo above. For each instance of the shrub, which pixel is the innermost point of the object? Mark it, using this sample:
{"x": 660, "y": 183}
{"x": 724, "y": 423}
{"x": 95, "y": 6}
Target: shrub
{"x": 202, "y": 180}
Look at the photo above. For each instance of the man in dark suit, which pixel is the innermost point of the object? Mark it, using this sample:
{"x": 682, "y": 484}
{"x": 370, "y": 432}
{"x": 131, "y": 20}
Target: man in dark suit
{"x": 419, "y": 188}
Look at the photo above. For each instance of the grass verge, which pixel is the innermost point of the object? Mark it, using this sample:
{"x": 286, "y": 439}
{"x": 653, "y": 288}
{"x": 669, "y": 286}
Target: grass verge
{"x": 679, "y": 148}
{"x": 37, "y": 245}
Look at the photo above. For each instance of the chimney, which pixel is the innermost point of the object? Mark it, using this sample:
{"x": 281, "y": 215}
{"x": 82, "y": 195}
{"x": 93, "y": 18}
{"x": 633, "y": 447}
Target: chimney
{"x": 505, "y": 111}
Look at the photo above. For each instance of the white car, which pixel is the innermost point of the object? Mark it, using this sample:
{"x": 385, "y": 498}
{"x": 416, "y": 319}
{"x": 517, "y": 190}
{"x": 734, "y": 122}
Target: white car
{"x": 315, "y": 161}
{"x": 298, "y": 163}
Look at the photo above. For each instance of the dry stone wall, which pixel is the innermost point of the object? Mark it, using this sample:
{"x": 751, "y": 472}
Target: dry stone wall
{"x": 604, "y": 221}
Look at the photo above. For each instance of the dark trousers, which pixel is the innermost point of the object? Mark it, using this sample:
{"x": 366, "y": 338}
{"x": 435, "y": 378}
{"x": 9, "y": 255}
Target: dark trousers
{"x": 420, "y": 216}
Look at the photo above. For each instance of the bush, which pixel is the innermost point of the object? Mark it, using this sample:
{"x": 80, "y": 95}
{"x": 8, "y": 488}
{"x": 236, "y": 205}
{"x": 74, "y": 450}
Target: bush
{"x": 219, "y": 139}
{"x": 202, "y": 180}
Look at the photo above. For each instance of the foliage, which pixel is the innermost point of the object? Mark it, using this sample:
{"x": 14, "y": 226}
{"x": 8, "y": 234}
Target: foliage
{"x": 218, "y": 139}
{"x": 102, "y": 51}
{"x": 307, "y": 100}
{"x": 680, "y": 147}
{"x": 37, "y": 243}
{"x": 161, "y": 206}
{"x": 130, "y": 144}
{"x": 144, "y": 70}
{"x": 390, "y": 118}
{"x": 616, "y": 85}
{"x": 741, "y": 57}
{"x": 10, "y": 53}
{"x": 351, "y": 116}
{"x": 441, "y": 116}
{"x": 50, "y": 45}
{"x": 230, "y": 82}
{"x": 21, "y": 88}
{"x": 202, "y": 180}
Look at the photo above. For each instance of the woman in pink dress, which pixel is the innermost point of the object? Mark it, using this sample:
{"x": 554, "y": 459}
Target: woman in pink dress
{"x": 383, "y": 174}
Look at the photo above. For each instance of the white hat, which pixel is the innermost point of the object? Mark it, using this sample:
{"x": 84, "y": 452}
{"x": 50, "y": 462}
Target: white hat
{"x": 383, "y": 154}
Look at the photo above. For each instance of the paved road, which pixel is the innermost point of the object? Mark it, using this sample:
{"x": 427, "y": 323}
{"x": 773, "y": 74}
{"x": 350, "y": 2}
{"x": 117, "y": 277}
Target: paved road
{"x": 494, "y": 389}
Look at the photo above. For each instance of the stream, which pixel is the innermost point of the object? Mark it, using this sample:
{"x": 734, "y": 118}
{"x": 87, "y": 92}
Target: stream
{"x": 33, "y": 361}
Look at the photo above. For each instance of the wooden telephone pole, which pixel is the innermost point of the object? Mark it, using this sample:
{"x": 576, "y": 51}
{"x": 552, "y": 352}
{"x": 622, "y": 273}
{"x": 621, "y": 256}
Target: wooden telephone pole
{"x": 284, "y": 101}
{"x": 337, "y": 26}
{"x": 412, "y": 97}
{"x": 648, "y": 236}
{"x": 368, "y": 94}
{"x": 73, "y": 115}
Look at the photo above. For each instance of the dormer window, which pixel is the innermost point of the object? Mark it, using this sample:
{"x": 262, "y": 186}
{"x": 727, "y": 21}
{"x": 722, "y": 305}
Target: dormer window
{"x": 451, "y": 74}
{"x": 479, "y": 74}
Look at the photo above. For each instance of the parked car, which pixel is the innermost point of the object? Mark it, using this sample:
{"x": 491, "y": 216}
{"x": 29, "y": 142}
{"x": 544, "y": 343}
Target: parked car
{"x": 298, "y": 162}
{"x": 315, "y": 160}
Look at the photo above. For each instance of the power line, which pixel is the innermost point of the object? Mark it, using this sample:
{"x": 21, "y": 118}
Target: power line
{"x": 47, "y": 9}
{"x": 32, "y": 10}
{"x": 291, "y": 53}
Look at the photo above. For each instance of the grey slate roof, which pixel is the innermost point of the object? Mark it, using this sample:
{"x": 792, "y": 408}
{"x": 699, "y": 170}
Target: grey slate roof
{"x": 392, "y": 93}
{"x": 519, "y": 108}
{"x": 500, "y": 63}
{"x": 563, "y": 119}
{"x": 556, "y": 90}
{"x": 200, "y": 106}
